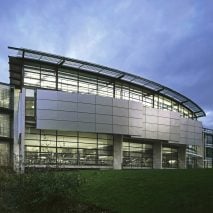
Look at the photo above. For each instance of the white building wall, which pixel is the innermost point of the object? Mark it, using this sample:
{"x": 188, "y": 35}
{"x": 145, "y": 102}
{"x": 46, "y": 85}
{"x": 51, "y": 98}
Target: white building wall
{"x": 19, "y": 130}
{"x": 58, "y": 110}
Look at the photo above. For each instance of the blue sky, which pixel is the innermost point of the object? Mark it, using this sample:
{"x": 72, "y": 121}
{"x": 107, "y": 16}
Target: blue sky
{"x": 167, "y": 41}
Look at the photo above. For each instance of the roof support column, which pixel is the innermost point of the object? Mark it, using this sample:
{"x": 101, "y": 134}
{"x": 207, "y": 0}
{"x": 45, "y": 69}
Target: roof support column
{"x": 182, "y": 157}
{"x": 118, "y": 152}
{"x": 157, "y": 155}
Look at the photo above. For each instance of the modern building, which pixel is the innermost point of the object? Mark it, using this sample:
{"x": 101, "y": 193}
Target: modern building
{"x": 60, "y": 112}
{"x": 208, "y": 147}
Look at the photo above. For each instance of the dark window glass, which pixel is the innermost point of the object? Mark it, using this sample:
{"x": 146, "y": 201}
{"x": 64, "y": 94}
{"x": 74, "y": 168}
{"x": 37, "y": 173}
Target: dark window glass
{"x": 137, "y": 155}
{"x": 169, "y": 157}
{"x": 209, "y": 152}
{"x": 4, "y": 125}
{"x": 4, "y": 154}
{"x": 45, "y": 147}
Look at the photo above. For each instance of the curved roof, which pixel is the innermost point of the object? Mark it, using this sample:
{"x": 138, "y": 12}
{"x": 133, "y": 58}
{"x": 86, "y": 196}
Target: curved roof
{"x": 114, "y": 73}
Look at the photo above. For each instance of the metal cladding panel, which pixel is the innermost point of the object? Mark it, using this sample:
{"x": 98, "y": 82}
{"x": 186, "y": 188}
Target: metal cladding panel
{"x": 91, "y": 113}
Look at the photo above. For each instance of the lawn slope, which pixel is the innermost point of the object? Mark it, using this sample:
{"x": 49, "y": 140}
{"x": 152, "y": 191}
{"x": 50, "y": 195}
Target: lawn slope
{"x": 135, "y": 191}
{"x": 108, "y": 191}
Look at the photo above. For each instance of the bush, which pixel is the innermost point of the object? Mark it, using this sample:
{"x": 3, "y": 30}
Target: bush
{"x": 39, "y": 192}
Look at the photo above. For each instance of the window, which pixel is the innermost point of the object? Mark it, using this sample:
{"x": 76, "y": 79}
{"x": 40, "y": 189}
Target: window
{"x": 209, "y": 152}
{"x": 137, "y": 154}
{"x": 4, "y": 96}
{"x": 67, "y": 148}
{"x": 209, "y": 139}
{"x": 4, "y": 154}
{"x": 71, "y": 80}
{"x": 4, "y": 125}
{"x": 169, "y": 157}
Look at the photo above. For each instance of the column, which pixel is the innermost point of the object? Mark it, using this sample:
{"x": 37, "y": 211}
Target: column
{"x": 182, "y": 157}
{"x": 118, "y": 153}
{"x": 19, "y": 129}
{"x": 157, "y": 155}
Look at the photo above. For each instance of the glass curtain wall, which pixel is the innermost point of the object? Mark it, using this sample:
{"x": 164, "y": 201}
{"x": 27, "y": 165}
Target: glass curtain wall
{"x": 194, "y": 156}
{"x": 137, "y": 155}
{"x": 4, "y": 96}
{"x": 4, "y": 154}
{"x": 208, "y": 152}
{"x": 169, "y": 157}
{"x": 43, "y": 147}
{"x": 4, "y": 125}
{"x": 45, "y": 76}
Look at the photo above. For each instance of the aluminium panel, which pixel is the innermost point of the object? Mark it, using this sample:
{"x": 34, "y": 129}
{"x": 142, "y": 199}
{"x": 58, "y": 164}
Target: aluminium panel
{"x": 137, "y": 122}
{"x": 136, "y": 105}
{"x": 47, "y": 95}
{"x": 151, "y": 134}
{"x": 86, "y": 99}
{"x": 106, "y": 101}
{"x": 118, "y": 120}
{"x": 120, "y": 129}
{"x": 123, "y": 112}
{"x": 104, "y": 128}
{"x": 89, "y": 108}
{"x": 120, "y": 103}
{"x": 104, "y": 119}
{"x": 137, "y": 131}
{"x": 133, "y": 113}
{"x": 104, "y": 110}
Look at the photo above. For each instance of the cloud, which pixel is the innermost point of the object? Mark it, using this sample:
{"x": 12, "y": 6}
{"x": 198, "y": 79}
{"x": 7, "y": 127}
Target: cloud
{"x": 169, "y": 42}
{"x": 208, "y": 120}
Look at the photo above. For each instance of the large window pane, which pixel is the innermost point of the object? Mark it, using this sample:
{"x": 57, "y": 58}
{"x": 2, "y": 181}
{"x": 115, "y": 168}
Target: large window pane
{"x": 4, "y": 96}
{"x": 137, "y": 155}
{"x": 170, "y": 157}
{"x": 67, "y": 148}
{"x": 4, "y": 154}
{"x": 4, "y": 125}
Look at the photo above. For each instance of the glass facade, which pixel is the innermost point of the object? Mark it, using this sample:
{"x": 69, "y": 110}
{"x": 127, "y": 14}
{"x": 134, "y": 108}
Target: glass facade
{"x": 44, "y": 147}
{"x": 4, "y": 96}
{"x": 192, "y": 156}
{"x": 4, "y": 154}
{"x": 4, "y": 125}
{"x": 4, "y": 113}
{"x": 169, "y": 157}
{"x": 208, "y": 150}
{"x": 137, "y": 155}
{"x": 46, "y": 76}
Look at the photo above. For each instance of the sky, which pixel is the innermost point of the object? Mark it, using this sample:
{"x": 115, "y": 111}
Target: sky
{"x": 167, "y": 41}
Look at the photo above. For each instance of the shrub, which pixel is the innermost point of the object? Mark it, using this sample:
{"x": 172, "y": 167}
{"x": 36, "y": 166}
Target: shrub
{"x": 39, "y": 192}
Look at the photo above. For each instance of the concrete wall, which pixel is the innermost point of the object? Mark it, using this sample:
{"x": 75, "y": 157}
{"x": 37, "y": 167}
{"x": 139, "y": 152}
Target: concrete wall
{"x": 118, "y": 153}
{"x": 157, "y": 155}
{"x": 19, "y": 130}
{"x": 182, "y": 157}
{"x": 90, "y": 113}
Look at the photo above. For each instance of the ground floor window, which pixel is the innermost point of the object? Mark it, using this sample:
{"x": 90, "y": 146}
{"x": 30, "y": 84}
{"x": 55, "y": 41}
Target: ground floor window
{"x": 169, "y": 157}
{"x": 191, "y": 162}
{"x": 44, "y": 147}
{"x": 208, "y": 163}
{"x": 4, "y": 154}
{"x": 137, "y": 154}
{"x": 192, "y": 156}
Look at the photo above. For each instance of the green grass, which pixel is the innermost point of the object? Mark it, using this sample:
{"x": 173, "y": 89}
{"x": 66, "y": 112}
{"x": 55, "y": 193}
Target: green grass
{"x": 126, "y": 191}
{"x": 135, "y": 191}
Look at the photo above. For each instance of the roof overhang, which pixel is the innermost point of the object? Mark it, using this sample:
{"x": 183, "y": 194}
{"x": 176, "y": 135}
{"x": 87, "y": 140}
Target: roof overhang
{"x": 21, "y": 54}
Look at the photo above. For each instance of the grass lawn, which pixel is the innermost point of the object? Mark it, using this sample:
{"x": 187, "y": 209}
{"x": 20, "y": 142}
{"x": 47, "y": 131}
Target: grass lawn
{"x": 132, "y": 191}
{"x": 126, "y": 191}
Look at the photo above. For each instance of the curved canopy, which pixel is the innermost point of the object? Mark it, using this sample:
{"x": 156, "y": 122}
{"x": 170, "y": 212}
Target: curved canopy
{"x": 114, "y": 73}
